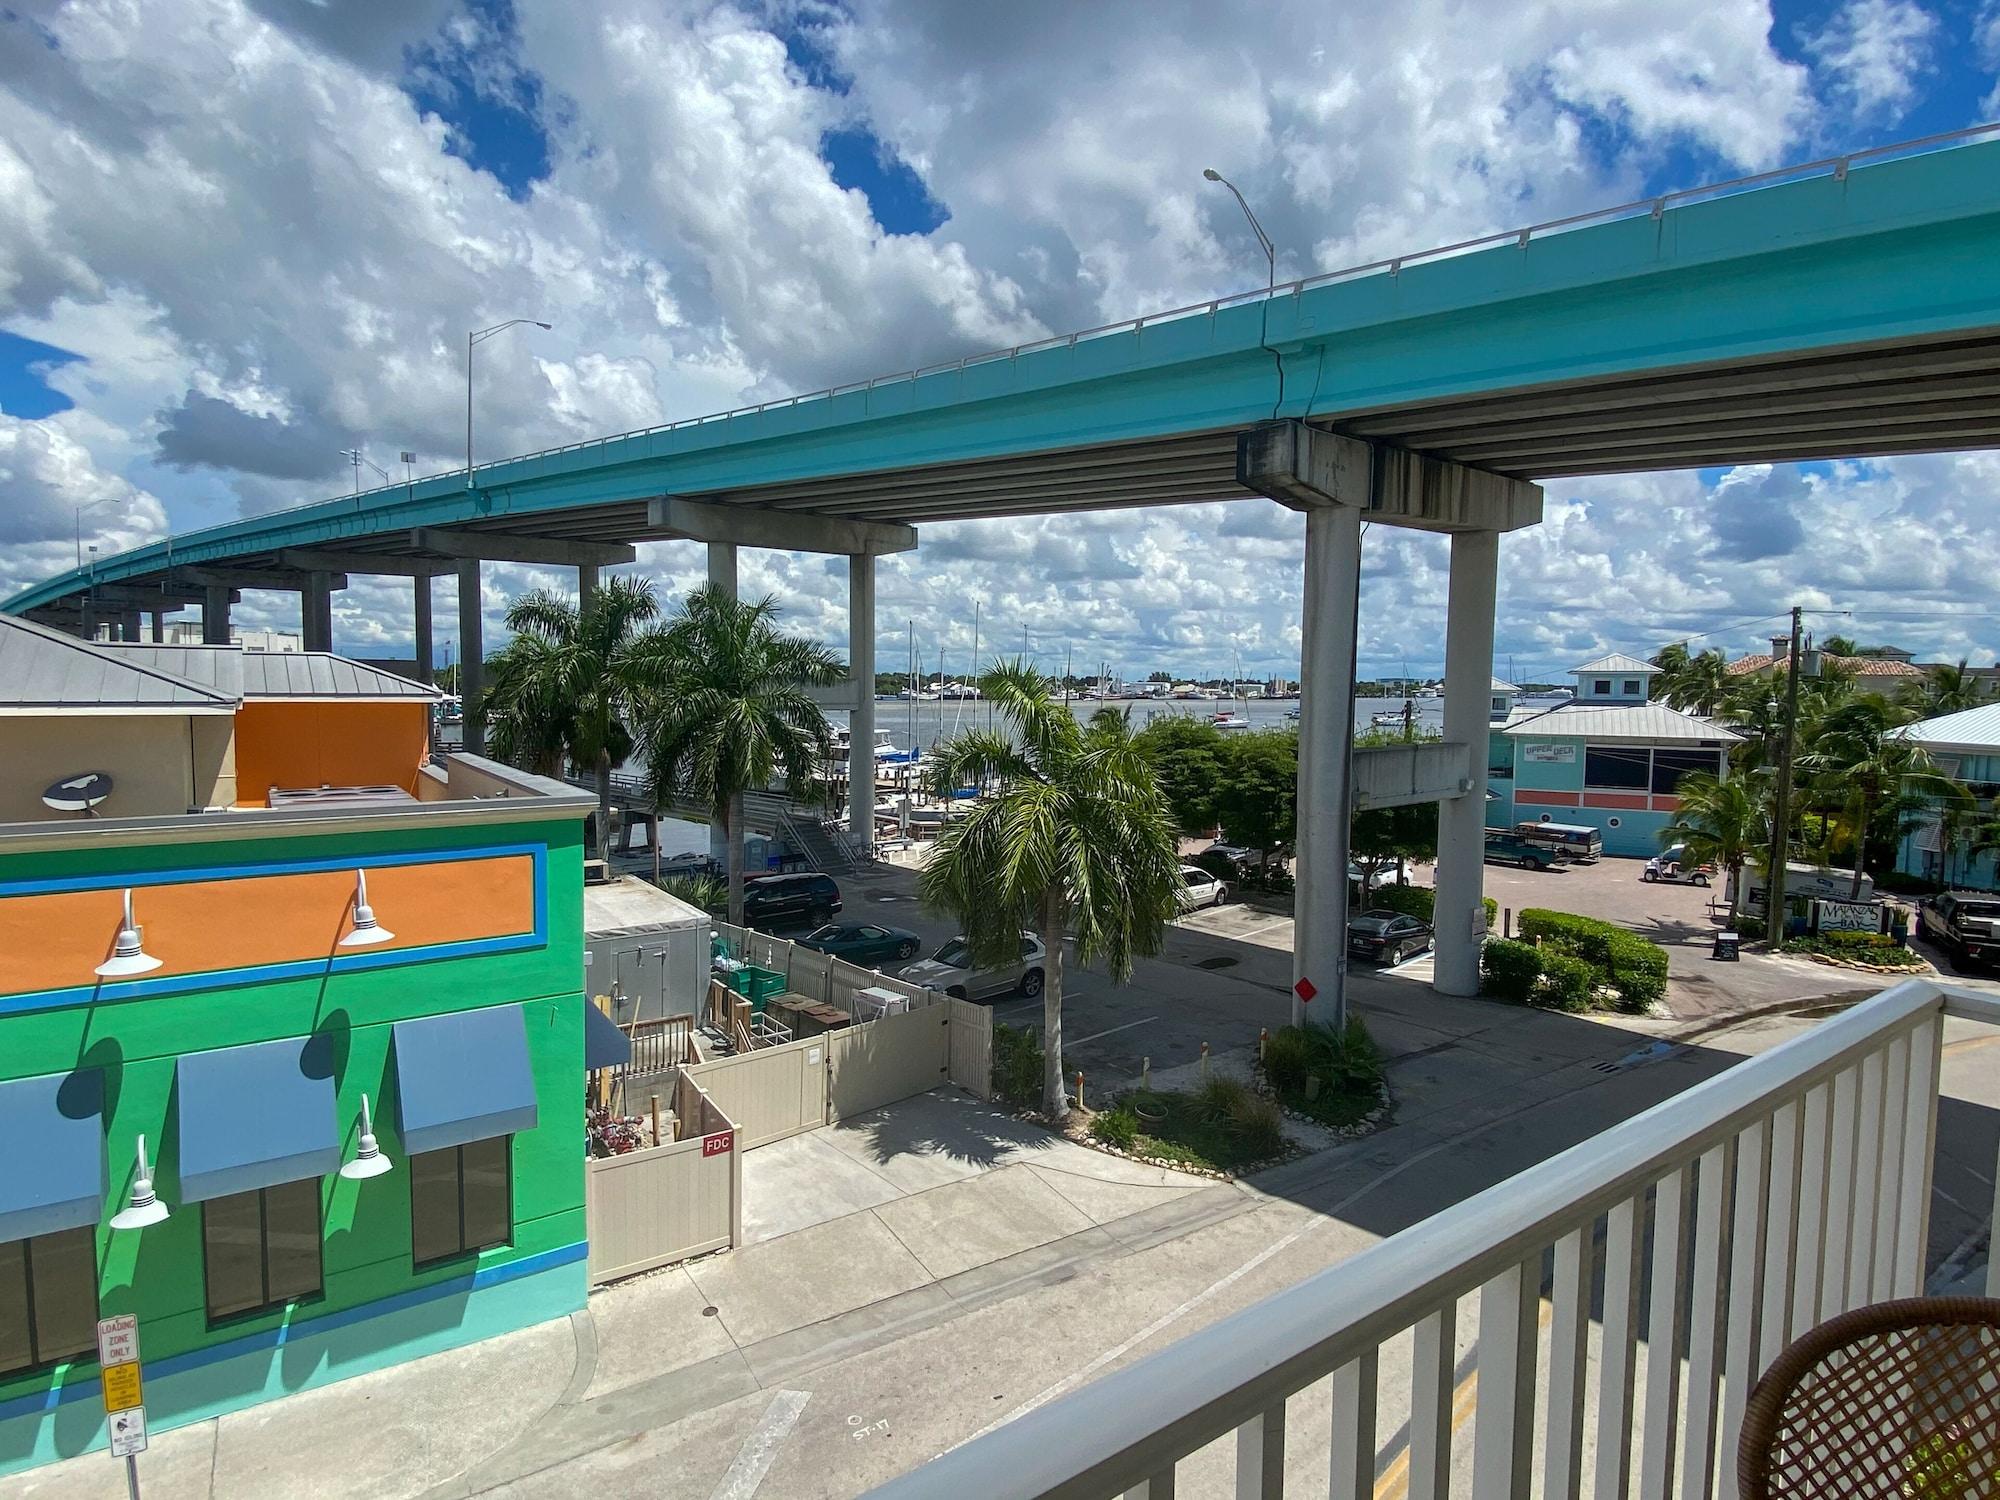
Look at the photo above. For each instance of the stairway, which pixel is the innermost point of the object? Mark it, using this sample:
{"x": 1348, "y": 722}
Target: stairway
{"x": 824, "y": 848}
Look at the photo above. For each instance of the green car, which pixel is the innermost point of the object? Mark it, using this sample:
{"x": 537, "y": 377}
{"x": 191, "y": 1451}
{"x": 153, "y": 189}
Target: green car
{"x": 863, "y": 943}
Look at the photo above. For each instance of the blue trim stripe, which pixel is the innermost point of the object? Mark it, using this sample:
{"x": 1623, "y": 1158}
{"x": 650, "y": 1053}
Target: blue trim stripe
{"x": 337, "y": 963}
{"x": 285, "y": 1333}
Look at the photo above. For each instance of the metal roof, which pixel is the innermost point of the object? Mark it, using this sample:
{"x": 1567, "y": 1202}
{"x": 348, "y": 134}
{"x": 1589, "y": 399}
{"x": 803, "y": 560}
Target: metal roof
{"x": 321, "y": 674}
{"x": 1971, "y": 731}
{"x": 1504, "y": 687}
{"x": 1626, "y": 721}
{"x": 46, "y": 669}
{"x": 1617, "y": 661}
{"x": 216, "y": 667}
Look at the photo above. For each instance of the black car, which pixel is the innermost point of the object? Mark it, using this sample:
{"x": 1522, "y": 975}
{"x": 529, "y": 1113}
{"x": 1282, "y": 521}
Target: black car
{"x": 1386, "y": 937}
{"x": 778, "y": 900}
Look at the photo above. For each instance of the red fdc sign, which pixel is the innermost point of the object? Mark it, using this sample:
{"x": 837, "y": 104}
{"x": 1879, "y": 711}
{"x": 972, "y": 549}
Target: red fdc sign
{"x": 1305, "y": 989}
{"x": 718, "y": 1144}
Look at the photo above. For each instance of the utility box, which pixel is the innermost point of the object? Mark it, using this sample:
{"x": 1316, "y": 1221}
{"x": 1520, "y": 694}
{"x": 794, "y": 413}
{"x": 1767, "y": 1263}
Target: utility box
{"x": 652, "y": 947}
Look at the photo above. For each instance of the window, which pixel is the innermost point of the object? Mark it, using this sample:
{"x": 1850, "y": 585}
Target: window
{"x": 1631, "y": 686}
{"x": 48, "y": 1299}
{"x": 1601, "y": 686}
{"x": 461, "y": 1199}
{"x": 1617, "y": 767}
{"x": 1669, "y": 766}
{"x": 261, "y": 1249}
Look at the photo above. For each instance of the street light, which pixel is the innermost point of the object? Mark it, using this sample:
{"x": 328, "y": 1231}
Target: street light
{"x": 80, "y": 509}
{"x": 472, "y": 341}
{"x": 1270, "y": 250}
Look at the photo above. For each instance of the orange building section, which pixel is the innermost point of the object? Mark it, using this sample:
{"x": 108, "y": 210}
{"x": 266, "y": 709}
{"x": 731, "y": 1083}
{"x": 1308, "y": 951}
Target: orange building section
{"x": 328, "y": 744}
{"x": 54, "y": 941}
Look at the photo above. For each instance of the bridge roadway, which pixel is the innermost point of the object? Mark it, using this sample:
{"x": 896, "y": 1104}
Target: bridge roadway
{"x": 1845, "y": 308}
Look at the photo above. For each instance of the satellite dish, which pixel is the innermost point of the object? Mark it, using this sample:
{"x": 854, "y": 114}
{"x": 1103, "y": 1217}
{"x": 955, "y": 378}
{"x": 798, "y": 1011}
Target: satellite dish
{"x": 78, "y": 794}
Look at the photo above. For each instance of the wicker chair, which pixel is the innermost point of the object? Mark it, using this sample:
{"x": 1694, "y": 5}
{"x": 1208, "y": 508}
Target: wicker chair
{"x": 1900, "y": 1401}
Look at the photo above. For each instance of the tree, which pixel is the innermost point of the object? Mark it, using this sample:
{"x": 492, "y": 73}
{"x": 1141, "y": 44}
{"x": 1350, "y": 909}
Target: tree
{"x": 1078, "y": 836}
{"x": 567, "y": 685}
{"x": 1383, "y": 836}
{"x": 728, "y": 711}
{"x": 1701, "y": 685}
{"x": 1944, "y": 690}
{"x": 1187, "y": 756}
{"x": 1863, "y": 774}
{"x": 1257, "y": 803}
{"x": 1726, "y": 823}
{"x": 1839, "y": 645}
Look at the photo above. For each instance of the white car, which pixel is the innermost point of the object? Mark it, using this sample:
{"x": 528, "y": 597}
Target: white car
{"x": 1199, "y": 888}
{"x": 952, "y": 970}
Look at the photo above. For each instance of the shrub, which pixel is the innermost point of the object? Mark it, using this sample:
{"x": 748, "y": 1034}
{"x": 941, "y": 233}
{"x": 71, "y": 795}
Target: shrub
{"x": 1624, "y": 961}
{"x": 1843, "y": 939}
{"x": 1509, "y": 970}
{"x": 1418, "y": 901}
{"x": 1288, "y": 1060}
{"x": 1117, "y": 1127}
{"x": 1750, "y": 929}
{"x": 1566, "y": 983}
{"x": 1257, "y": 1125}
{"x": 1017, "y": 1066}
{"x": 1219, "y": 1100}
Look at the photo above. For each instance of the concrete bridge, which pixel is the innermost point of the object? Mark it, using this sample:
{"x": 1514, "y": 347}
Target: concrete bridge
{"x": 1845, "y": 308}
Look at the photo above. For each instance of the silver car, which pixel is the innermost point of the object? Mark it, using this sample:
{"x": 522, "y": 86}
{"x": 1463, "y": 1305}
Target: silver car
{"x": 952, "y": 970}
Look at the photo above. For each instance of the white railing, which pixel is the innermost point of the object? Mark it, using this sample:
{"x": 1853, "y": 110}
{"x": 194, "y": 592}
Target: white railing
{"x": 1731, "y": 1218}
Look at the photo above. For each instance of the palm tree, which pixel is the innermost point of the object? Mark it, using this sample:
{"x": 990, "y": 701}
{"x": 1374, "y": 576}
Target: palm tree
{"x": 728, "y": 711}
{"x": 1700, "y": 685}
{"x": 1078, "y": 835}
{"x": 1672, "y": 660}
{"x": 1944, "y": 690}
{"x": 566, "y": 686}
{"x": 1862, "y": 772}
{"x": 1726, "y": 823}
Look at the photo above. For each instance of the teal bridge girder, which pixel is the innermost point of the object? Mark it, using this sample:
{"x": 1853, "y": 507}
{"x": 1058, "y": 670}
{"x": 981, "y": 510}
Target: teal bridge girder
{"x": 1849, "y": 308}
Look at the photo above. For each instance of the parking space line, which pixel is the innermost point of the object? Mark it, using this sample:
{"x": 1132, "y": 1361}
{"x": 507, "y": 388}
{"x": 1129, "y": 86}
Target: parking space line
{"x": 760, "y": 1449}
{"x": 1098, "y": 1036}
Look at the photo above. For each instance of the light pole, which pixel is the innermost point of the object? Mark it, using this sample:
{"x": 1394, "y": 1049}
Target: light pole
{"x": 1270, "y": 250}
{"x": 80, "y": 509}
{"x": 472, "y": 341}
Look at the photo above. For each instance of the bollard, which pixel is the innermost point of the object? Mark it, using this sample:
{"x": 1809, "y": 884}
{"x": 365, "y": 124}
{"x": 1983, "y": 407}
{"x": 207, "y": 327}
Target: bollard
{"x": 1263, "y": 1036}
{"x": 1507, "y": 921}
{"x": 1146, "y": 1074}
{"x": 1204, "y": 1063}
{"x": 656, "y": 1121}
{"x": 1079, "y": 1088}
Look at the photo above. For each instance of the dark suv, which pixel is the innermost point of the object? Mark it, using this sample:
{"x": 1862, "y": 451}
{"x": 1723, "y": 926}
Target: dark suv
{"x": 776, "y": 900}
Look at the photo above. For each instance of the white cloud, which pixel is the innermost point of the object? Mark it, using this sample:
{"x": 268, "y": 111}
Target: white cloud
{"x": 264, "y": 252}
{"x": 1874, "y": 53}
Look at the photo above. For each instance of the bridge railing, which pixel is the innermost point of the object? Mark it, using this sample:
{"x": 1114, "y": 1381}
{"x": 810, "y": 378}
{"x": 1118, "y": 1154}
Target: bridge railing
{"x": 1733, "y": 1217}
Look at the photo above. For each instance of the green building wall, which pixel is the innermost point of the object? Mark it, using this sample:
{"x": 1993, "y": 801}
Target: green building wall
{"x": 375, "y": 1309}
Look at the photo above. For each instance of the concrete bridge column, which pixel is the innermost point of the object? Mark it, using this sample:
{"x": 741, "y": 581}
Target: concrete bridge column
{"x": 1460, "y": 918}
{"x": 215, "y": 615}
{"x": 861, "y": 718}
{"x": 722, "y": 575}
{"x": 586, "y": 585}
{"x": 158, "y": 619}
{"x": 424, "y": 646}
{"x": 471, "y": 656}
{"x": 316, "y": 612}
{"x": 1326, "y": 742}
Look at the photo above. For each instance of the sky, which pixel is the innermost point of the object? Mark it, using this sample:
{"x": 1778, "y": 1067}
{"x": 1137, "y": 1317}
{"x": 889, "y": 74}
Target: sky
{"x": 243, "y": 236}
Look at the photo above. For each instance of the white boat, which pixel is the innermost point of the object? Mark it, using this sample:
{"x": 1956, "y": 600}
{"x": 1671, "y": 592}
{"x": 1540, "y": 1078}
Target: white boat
{"x": 1230, "y": 720}
{"x": 1387, "y": 719}
{"x": 1292, "y": 714}
{"x": 885, "y": 748}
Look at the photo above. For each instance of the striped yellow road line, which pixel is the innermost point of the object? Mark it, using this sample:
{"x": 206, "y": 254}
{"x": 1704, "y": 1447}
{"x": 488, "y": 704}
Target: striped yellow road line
{"x": 1395, "y": 1481}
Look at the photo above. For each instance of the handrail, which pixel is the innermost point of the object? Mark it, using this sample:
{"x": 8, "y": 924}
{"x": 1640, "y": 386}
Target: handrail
{"x": 1117, "y": 1432}
{"x": 1834, "y": 166}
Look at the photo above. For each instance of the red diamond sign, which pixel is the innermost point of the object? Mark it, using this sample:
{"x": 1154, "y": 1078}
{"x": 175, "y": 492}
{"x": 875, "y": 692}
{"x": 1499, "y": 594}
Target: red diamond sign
{"x": 1305, "y": 989}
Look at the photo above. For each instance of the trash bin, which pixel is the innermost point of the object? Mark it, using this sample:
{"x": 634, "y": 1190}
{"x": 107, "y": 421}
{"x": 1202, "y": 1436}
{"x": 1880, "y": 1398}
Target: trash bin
{"x": 1727, "y": 946}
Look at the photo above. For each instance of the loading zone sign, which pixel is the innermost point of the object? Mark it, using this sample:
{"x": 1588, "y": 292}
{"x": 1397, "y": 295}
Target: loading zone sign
{"x": 124, "y": 1393}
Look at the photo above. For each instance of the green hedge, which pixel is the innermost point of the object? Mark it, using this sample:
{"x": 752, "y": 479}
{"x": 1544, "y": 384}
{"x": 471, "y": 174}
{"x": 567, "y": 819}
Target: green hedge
{"x": 1017, "y": 1066}
{"x": 1420, "y": 901}
{"x": 1509, "y": 970}
{"x": 1566, "y": 983}
{"x": 1626, "y": 962}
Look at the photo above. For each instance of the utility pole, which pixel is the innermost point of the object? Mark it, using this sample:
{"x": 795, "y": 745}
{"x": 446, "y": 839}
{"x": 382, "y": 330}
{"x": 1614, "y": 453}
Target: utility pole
{"x": 1781, "y": 802}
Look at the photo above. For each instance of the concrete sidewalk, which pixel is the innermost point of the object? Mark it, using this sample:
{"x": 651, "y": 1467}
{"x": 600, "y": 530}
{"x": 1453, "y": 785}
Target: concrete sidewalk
{"x": 898, "y": 1219}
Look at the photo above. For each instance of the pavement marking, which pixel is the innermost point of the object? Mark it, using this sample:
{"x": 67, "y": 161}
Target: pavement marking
{"x": 760, "y": 1449}
{"x": 1100, "y": 1035}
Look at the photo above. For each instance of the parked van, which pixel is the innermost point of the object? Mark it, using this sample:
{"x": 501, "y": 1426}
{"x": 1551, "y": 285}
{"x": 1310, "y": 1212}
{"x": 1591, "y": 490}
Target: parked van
{"x": 1577, "y": 842}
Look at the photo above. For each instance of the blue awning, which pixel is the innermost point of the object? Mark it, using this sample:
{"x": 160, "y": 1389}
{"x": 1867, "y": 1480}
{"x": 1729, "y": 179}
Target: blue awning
{"x": 463, "y": 1077}
{"x": 604, "y": 1045}
{"x": 253, "y": 1117}
{"x": 53, "y": 1134}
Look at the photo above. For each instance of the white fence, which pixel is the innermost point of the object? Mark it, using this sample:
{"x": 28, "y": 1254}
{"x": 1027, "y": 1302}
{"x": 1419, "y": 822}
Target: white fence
{"x": 816, "y": 975}
{"x": 652, "y": 1207}
{"x": 1733, "y": 1218}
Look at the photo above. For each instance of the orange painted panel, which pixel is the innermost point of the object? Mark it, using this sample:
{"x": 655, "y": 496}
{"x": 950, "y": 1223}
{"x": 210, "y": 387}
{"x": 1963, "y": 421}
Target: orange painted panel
{"x": 328, "y": 744}
{"x": 1636, "y": 801}
{"x": 1546, "y": 799}
{"x": 52, "y": 941}
{"x": 1666, "y": 804}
